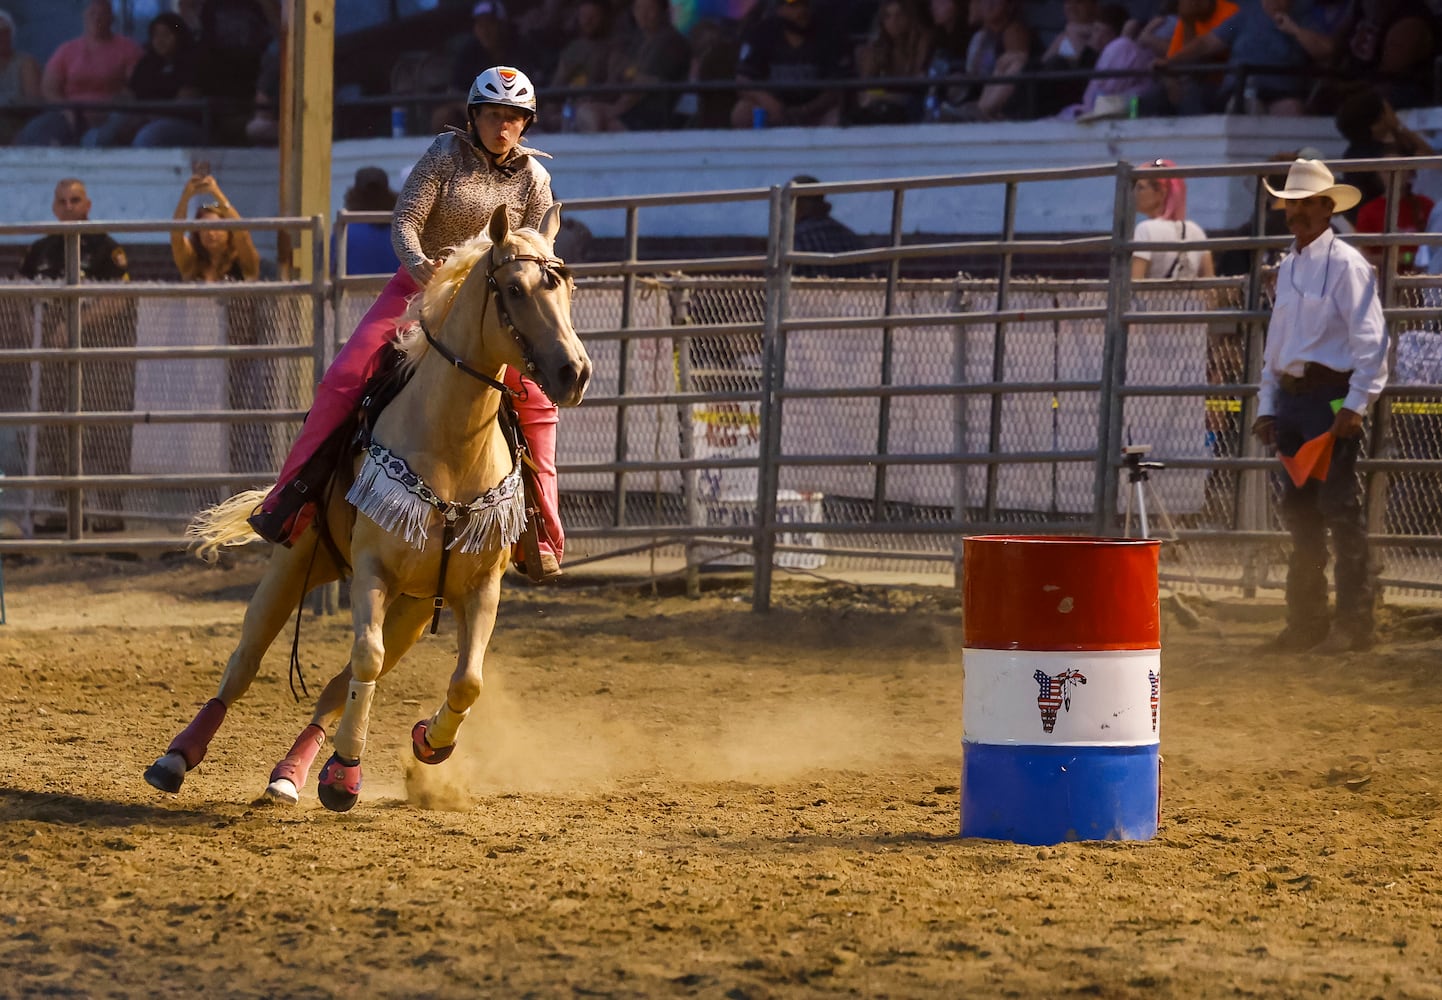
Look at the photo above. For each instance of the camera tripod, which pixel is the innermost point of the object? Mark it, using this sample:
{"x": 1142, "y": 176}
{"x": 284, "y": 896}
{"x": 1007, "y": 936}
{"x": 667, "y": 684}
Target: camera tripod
{"x": 1139, "y": 479}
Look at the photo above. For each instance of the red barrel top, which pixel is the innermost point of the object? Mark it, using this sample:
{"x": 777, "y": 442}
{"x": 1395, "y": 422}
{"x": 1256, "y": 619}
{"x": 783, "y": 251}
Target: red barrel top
{"x": 1059, "y": 592}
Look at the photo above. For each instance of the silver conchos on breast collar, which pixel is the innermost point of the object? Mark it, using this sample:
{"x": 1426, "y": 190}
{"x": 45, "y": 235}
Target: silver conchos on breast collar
{"x": 398, "y": 500}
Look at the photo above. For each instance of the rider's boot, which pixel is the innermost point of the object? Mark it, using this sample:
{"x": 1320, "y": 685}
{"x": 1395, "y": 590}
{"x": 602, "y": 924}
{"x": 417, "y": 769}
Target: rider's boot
{"x": 538, "y": 417}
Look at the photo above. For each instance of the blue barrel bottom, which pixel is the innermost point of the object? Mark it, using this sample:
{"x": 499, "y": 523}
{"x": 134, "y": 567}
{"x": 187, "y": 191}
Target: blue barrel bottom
{"x": 1052, "y": 794}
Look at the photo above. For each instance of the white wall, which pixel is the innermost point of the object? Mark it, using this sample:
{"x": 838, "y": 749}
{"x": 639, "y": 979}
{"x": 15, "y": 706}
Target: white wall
{"x": 144, "y": 184}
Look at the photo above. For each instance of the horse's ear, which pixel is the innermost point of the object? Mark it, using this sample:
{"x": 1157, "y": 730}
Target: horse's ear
{"x": 551, "y": 223}
{"x": 500, "y": 225}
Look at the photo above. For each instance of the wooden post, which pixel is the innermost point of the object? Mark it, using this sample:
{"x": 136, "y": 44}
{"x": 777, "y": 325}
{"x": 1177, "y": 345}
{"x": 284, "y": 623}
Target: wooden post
{"x": 307, "y": 98}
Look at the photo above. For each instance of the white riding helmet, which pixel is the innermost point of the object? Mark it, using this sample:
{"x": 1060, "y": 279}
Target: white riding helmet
{"x": 504, "y": 85}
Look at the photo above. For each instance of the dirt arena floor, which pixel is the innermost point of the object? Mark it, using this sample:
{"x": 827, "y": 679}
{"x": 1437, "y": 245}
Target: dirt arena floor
{"x": 670, "y": 797}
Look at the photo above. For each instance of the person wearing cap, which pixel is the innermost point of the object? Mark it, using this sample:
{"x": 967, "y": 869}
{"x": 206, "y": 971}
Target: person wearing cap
{"x": 446, "y": 200}
{"x": 1324, "y": 364}
{"x": 368, "y": 247}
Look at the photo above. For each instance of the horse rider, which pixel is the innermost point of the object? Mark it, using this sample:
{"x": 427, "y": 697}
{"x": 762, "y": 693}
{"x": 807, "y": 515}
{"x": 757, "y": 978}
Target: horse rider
{"x": 447, "y": 199}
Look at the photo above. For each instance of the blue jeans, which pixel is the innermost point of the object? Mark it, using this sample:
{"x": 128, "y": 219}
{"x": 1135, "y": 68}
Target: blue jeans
{"x": 49, "y": 128}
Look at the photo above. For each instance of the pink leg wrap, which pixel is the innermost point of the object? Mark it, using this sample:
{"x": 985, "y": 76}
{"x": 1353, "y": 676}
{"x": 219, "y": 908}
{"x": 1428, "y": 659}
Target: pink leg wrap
{"x": 297, "y": 763}
{"x": 539, "y": 416}
{"x": 340, "y": 388}
{"x": 195, "y": 738}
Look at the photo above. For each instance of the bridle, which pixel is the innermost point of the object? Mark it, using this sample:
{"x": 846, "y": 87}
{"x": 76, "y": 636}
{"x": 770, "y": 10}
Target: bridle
{"x": 551, "y": 266}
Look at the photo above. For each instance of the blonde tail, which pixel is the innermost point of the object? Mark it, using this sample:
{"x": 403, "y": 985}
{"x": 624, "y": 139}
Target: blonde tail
{"x": 224, "y": 524}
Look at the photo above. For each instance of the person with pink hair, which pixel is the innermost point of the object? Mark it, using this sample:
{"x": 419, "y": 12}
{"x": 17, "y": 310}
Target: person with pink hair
{"x": 1163, "y": 200}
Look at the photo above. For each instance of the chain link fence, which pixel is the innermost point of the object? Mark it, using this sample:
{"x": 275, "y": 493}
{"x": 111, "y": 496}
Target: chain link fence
{"x": 742, "y": 415}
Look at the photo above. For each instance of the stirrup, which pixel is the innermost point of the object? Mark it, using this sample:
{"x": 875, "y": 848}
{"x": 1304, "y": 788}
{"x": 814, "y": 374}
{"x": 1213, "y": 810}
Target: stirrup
{"x": 279, "y": 527}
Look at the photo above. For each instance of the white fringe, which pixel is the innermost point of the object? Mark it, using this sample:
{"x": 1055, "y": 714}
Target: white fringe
{"x": 496, "y": 517}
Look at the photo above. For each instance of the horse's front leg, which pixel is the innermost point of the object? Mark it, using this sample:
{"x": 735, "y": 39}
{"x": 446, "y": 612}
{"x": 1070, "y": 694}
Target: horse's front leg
{"x": 433, "y": 739}
{"x": 279, "y": 591}
{"x": 406, "y": 620}
{"x": 340, "y": 779}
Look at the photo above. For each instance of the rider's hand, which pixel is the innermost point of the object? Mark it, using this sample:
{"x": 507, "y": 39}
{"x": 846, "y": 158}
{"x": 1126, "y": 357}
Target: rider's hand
{"x": 423, "y": 271}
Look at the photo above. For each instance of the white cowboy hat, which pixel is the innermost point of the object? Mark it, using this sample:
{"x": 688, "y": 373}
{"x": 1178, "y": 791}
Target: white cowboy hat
{"x": 1107, "y": 106}
{"x": 1311, "y": 178}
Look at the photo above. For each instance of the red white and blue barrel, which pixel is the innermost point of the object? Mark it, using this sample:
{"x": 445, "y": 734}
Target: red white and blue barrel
{"x": 1060, "y": 712}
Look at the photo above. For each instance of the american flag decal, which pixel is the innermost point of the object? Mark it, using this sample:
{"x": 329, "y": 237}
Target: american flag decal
{"x": 1156, "y": 683}
{"x": 1054, "y": 694}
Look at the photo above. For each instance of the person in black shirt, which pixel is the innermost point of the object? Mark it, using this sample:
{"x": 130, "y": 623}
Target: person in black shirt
{"x": 817, "y": 232}
{"x": 106, "y": 386}
{"x": 166, "y": 72}
{"x": 101, "y": 258}
{"x": 789, "y": 47}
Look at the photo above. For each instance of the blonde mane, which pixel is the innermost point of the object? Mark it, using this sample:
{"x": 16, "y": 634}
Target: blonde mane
{"x": 431, "y": 302}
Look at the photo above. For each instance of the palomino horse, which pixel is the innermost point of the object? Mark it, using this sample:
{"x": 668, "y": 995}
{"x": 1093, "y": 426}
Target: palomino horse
{"x": 500, "y": 299}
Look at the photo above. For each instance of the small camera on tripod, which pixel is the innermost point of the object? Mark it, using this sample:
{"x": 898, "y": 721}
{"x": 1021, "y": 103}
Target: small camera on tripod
{"x": 1132, "y": 455}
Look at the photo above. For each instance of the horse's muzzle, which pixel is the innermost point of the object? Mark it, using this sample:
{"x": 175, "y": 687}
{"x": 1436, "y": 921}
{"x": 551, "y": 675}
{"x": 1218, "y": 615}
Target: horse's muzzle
{"x": 569, "y": 382}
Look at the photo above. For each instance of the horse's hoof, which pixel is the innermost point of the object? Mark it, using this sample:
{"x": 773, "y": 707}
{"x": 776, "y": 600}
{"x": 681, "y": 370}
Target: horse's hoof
{"x": 425, "y": 753}
{"x": 167, "y": 773}
{"x": 340, "y": 784}
{"x": 283, "y": 790}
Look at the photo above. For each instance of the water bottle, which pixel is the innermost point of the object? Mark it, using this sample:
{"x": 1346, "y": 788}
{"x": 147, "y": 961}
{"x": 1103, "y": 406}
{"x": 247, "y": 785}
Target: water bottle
{"x": 568, "y": 116}
{"x": 758, "y": 117}
{"x": 932, "y": 111}
{"x": 398, "y": 121}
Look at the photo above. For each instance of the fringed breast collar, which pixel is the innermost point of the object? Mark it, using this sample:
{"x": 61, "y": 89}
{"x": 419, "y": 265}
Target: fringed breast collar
{"x": 397, "y": 499}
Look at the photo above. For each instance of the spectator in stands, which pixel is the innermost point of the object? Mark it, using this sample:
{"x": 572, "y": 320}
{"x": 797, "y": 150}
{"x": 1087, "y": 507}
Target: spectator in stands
{"x": 1260, "y": 34}
{"x": 1412, "y": 211}
{"x": 1184, "y": 94}
{"x": 165, "y": 72}
{"x": 817, "y": 232}
{"x": 1370, "y": 125}
{"x": 1073, "y": 48}
{"x": 263, "y": 127}
{"x": 654, "y": 52}
{"x": 368, "y": 247}
{"x": 899, "y": 45}
{"x": 1003, "y": 45}
{"x": 1429, "y": 258}
{"x": 788, "y": 46}
{"x": 1393, "y": 43}
{"x": 1163, "y": 200}
{"x": 586, "y": 59}
{"x": 19, "y": 77}
{"x": 951, "y": 38}
{"x": 234, "y": 36}
{"x": 1156, "y": 35}
{"x": 211, "y": 255}
{"x": 101, "y": 258}
{"x": 93, "y": 67}
{"x": 1118, "y": 52}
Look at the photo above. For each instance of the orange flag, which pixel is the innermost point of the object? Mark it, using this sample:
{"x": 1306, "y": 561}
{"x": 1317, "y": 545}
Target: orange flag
{"x": 1311, "y": 460}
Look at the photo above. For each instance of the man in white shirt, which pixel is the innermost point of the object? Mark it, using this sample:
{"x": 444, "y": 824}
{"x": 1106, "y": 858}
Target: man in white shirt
{"x": 1325, "y": 362}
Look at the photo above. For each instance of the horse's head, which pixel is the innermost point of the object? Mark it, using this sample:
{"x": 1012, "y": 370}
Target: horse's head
{"x": 532, "y": 289}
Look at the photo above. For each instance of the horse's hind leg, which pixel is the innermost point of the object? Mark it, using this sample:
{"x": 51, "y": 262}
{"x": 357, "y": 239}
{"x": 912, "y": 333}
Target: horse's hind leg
{"x": 404, "y": 624}
{"x": 433, "y": 739}
{"x": 279, "y": 591}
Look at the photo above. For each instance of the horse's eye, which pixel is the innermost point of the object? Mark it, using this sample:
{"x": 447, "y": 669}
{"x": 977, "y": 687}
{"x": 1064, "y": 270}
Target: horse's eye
{"x": 513, "y": 289}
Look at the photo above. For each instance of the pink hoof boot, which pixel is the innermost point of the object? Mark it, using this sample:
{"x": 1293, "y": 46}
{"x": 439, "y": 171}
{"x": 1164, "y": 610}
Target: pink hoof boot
{"x": 425, "y": 753}
{"x": 289, "y": 775}
{"x": 340, "y": 783}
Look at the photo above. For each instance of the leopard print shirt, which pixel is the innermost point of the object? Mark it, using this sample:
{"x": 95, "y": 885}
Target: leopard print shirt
{"x": 452, "y": 191}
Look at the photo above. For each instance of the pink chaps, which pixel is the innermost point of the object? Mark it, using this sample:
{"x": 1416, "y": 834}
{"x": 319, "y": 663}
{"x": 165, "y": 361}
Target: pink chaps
{"x": 339, "y": 393}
